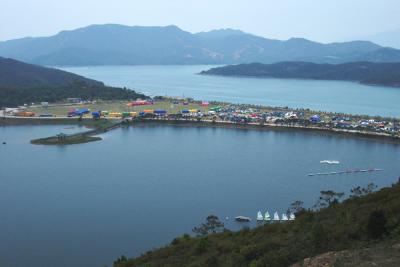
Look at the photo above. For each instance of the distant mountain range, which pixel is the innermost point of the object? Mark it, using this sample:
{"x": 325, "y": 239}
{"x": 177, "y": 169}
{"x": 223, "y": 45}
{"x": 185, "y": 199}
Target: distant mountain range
{"x": 389, "y": 38}
{"x": 117, "y": 44}
{"x": 387, "y": 74}
{"x": 26, "y": 83}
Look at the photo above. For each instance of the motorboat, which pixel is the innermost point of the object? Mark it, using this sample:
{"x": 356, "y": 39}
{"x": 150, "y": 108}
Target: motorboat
{"x": 242, "y": 219}
{"x": 329, "y": 162}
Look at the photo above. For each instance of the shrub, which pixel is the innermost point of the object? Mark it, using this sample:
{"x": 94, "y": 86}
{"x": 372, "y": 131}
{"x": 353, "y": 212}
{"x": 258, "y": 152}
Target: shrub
{"x": 376, "y": 226}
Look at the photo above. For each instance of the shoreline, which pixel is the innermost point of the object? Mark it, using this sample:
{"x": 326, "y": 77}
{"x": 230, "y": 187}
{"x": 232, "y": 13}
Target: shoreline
{"x": 94, "y": 128}
{"x": 271, "y": 127}
{"x": 104, "y": 125}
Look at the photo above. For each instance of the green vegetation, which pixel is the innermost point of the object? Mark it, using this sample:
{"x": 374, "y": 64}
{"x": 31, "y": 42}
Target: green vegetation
{"x": 11, "y": 96}
{"x": 387, "y": 74}
{"x": 22, "y": 83}
{"x": 364, "y": 222}
{"x": 100, "y": 126}
{"x": 68, "y": 140}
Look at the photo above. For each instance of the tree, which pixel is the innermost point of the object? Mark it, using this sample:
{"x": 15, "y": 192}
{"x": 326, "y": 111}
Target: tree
{"x": 296, "y": 206}
{"x": 362, "y": 191}
{"x": 121, "y": 260}
{"x": 213, "y": 225}
{"x": 328, "y": 198}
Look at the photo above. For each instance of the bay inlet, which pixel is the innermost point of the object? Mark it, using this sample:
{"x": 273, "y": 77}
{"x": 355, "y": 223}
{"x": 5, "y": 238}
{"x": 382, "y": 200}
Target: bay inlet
{"x": 85, "y": 205}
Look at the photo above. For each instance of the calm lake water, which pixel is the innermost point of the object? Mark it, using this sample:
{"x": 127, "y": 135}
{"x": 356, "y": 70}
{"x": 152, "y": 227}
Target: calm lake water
{"x": 335, "y": 96}
{"x": 84, "y": 205}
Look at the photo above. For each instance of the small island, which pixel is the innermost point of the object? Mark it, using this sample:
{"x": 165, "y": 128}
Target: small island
{"x": 100, "y": 126}
{"x": 63, "y": 139}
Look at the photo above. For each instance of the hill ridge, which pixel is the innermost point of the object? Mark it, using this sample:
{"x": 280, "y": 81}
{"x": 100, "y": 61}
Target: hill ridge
{"x": 115, "y": 44}
{"x": 386, "y": 74}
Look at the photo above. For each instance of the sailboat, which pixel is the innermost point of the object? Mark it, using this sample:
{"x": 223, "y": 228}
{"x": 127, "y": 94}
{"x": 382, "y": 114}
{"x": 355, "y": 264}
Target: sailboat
{"x": 284, "y": 217}
{"x": 276, "y": 216}
{"x": 267, "y": 217}
{"x": 260, "y": 216}
{"x": 292, "y": 217}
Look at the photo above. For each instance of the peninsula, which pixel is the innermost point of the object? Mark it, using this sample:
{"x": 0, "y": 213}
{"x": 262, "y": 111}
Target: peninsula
{"x": 103, "y": 116}
{"x": 386, "y": 74}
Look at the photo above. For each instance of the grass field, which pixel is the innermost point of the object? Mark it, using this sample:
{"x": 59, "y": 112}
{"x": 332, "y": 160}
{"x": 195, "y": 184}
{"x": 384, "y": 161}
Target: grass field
{"x": 116, "y": 106}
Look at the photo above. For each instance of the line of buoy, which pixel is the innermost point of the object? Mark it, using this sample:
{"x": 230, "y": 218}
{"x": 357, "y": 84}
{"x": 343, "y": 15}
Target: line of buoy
{"x": 344, "y": 172}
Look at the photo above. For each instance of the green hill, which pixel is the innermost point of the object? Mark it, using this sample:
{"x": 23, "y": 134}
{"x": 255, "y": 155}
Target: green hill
{"x": 362, "y": 223}
{"x": 22, "y": 83}
{"x": 387, "y": 74}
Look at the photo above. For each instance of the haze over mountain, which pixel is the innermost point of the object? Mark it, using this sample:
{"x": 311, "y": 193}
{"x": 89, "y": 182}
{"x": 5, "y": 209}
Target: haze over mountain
{"x": 387, "y": 74}
{"x": 113, "y": 44}
{"x": 389, "y": 38}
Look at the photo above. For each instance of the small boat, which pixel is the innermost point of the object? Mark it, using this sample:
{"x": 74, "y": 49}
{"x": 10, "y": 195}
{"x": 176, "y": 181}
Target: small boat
{"x": 267, "y": 217}
{"x": 242, "y": 219}
{"x": 329, "y": 162}
{"x": 284, "y": 217}
{"x": 260, "y": 216}
{"x": 276, "y": 216}
{"x": 292, "y": 217}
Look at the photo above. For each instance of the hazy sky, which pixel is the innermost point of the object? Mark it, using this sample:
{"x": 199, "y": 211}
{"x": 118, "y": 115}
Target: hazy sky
{"x": 319, "y": 20}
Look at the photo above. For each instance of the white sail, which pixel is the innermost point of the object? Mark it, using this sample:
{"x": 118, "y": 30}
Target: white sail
{"x": 292, "y": 217}
{"x": 267, "y": 217}
{"x": 276, "y": 216}
{"x": 284, "y": 217}
{"x": 260, "y": 216}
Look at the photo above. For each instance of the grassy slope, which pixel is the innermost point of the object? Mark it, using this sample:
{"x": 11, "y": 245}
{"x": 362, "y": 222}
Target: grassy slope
{"x": 338, "y": 227}
{"x": 22, "y": 83}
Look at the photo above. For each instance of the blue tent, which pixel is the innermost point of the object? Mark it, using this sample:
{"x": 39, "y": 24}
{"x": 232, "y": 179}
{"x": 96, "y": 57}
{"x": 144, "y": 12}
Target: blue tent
{"x": 315, "y": 118}
{"x": 160, "y": 112}
{"x": 185, "y": 111}
{"x": 81, "y": 111}
{"x": 96, "y": 114}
